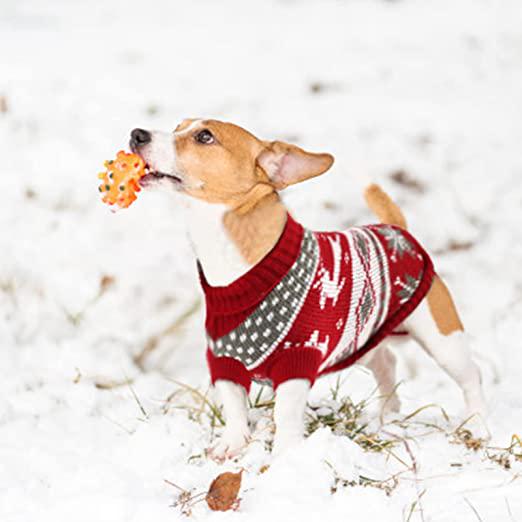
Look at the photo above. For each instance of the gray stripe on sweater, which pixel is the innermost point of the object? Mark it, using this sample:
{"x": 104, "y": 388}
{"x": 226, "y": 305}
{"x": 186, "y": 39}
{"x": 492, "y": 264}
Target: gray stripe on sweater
{"x": 261, "y": 332}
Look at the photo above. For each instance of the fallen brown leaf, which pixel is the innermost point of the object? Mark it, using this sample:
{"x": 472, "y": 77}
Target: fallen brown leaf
{"x": 223, "y": 491}
{"x": 106, "y": 282}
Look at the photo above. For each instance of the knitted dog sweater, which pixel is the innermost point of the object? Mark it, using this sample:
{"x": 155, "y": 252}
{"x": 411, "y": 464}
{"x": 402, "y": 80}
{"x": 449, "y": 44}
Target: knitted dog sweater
{"x": 314, "y": 304}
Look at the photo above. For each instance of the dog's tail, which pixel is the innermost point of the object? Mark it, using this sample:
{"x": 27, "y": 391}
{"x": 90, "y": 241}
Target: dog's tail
{"x": 383, "y": 206}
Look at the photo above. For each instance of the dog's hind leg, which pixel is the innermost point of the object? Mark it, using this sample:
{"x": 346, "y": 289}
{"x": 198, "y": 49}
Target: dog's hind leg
{"x": 382, "y": 363}
{"x": 436, "y": 326}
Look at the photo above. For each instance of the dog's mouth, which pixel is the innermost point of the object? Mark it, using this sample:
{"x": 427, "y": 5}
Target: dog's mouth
{"x": 152, "y": 176}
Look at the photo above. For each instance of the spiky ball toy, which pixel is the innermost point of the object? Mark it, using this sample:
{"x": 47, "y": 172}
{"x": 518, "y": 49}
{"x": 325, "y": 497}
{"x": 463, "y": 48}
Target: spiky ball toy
{"x": 119, "y": 183}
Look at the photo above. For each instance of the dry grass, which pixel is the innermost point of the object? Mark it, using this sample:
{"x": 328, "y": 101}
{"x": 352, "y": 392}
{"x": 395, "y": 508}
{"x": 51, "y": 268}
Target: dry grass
{"x": 395, "y": 439}
{"x": 387, "y": 485}
{"x": 186, "y": 499}
{"x": 195, "y": 403}
{"x": 344, "y": 418}
{"x": 153, "y": 342}
{"x": 105, "y": 284}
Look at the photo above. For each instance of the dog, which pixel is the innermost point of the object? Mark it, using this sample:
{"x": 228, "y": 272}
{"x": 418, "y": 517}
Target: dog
{"x": 345, "y": 294}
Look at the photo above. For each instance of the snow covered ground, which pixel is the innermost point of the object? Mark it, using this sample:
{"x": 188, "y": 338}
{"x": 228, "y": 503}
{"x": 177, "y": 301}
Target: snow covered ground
{"x": 422, "y": 96}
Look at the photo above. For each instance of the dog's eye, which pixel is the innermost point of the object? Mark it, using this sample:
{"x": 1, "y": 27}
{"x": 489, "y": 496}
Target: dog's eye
{"x": 205, "y": 137}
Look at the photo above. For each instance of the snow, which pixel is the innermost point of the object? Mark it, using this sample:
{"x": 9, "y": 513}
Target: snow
{"x": 428, "y": 88}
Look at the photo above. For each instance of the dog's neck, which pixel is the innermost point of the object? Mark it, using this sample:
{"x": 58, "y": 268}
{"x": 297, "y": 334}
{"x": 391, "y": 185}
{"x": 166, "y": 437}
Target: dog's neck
{"x": 228, "y": 243}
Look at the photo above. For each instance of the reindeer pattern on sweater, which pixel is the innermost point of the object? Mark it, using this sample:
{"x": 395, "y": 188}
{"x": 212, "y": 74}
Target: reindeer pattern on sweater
{"x": 323, "y": 300}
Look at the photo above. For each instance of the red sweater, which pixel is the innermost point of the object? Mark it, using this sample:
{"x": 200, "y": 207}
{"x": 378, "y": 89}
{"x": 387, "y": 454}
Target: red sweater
{"x": 314, "y": 304}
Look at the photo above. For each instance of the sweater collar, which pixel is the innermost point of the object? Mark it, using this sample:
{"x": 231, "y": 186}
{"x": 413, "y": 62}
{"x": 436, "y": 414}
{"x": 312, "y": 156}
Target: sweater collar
{"x": 251, "y": 288}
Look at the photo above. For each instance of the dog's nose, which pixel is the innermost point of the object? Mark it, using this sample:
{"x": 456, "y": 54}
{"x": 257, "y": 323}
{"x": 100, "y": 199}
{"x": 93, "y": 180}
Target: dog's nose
{"x": 139, "y": 137}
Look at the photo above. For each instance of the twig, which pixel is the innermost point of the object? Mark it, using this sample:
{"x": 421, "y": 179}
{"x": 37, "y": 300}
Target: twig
{"x": 473, "y": 509}
{"x": 414, "y": 505}
{"x": 110, "y": 385}
{"x": 138, "y": 401}
{"x": 75, "y": 318}
{"x": 186, "y": 500}
{"x": 175, "y": 485}
{"x": 127, "y": 430}
{"x": 153, "y": 342}
{"x": 415, "y": 474}
{"x": 509, "y": 510}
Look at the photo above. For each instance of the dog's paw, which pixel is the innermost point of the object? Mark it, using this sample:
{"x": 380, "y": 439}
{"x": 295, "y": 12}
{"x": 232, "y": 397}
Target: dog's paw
{"x": 229, "y": 445}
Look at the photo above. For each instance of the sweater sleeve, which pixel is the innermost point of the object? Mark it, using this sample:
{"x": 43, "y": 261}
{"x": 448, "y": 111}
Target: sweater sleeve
{"x": 228, "y": 369}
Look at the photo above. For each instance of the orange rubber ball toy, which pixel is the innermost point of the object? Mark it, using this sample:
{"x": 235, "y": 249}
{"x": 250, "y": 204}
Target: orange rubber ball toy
{"x": 119, "y": 183}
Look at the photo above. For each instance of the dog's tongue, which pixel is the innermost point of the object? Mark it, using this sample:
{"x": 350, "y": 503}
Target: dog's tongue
{"x": 146, "y": 180}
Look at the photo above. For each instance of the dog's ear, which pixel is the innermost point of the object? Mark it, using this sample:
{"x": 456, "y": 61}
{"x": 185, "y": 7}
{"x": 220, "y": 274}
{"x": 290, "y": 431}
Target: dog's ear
{"x": 286, "y": 164}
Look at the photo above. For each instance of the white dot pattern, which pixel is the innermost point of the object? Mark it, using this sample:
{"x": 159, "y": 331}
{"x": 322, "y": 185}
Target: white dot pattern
{"x": 273, "y": 318}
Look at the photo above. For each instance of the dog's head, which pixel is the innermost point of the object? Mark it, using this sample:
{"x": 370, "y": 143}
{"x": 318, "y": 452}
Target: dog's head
{"x": 222, "y": 163}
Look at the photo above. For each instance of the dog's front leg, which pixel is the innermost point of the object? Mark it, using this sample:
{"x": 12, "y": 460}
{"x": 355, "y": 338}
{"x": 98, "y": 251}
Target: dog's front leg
{"x": 289, "y": 411}
{"x": 236, "y": 432}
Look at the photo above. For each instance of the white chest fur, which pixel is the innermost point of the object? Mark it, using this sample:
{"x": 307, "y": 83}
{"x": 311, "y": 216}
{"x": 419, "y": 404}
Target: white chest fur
{"x": 217, "y": 253}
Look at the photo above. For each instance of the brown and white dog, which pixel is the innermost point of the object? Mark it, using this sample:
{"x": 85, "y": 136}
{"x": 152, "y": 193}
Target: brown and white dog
{"x": 235, "y": 217}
